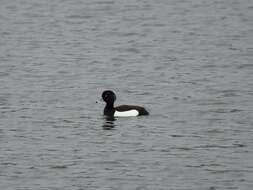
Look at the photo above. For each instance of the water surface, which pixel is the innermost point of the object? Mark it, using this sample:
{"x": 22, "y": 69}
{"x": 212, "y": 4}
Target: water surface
{"x": 189, "y": 62}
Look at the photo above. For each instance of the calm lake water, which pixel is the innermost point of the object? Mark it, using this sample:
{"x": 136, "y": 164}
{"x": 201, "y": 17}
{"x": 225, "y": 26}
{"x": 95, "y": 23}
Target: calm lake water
{"x": 190, "y": 63}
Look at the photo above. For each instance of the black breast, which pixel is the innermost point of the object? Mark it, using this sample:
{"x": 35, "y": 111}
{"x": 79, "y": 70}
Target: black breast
{"x": 109, "y": 112}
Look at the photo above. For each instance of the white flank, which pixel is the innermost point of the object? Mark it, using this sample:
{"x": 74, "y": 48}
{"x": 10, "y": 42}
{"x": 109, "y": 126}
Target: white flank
{"x": 126, "y": 113}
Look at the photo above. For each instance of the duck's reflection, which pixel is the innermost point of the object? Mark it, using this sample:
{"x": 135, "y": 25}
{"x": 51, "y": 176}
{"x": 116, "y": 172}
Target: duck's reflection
{"x": 109, "y": 123}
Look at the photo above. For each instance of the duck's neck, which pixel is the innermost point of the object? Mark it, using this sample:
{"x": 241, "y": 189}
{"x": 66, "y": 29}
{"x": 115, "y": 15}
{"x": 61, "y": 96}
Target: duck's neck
{"x": 109, "y": 105}
{"x": 109, "y": 109}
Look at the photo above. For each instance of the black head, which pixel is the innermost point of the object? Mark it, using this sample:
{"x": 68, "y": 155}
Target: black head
{"x": 109, "y": 96}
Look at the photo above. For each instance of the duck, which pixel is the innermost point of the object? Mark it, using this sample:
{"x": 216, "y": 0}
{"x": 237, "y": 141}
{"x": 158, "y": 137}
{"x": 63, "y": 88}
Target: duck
{"x": 109, "y": 98}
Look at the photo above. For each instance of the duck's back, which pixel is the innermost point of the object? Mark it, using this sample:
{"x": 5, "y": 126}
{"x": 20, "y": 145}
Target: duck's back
{"x": 128, "y": 108}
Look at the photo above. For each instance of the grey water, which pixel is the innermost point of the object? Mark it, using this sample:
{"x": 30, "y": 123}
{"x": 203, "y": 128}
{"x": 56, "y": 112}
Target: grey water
{"x": 190, "y": 63}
